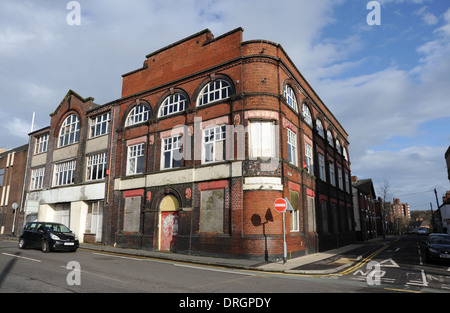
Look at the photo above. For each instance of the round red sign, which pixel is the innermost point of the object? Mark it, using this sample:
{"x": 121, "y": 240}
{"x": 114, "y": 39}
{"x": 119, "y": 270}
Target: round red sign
{"x": 280, "y": 205}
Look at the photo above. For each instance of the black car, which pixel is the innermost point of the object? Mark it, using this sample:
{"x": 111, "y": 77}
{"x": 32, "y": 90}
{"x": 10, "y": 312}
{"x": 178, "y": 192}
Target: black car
{"x": 437, "y": 247}
{"x": 48, "y": 236}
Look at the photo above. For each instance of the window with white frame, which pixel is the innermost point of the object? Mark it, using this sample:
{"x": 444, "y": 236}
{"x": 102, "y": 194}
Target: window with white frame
{"x": 214, "y": 144}
{"x": 331, "y": 170}
{"x": 139, "y": 114}
{"x": 173, "y": 104}
{"x": 338, "y": 146}
{"x": 289, "y": 95}
{"x": 307, "y": 114}
{"x": 319, "y": 128}
{"x": 70, "y": 131}
{"x": 262, "y": 139}
{"x": 96, "y": 167}
{"x": 309, "y": 158}
{"x": 100, "y": 125}
{"x": 41, "y": 144}
{"x": 135, "y": 159}
{"x": 322, "y": 175}
{"x": 347, "y": 182}
{"x": 171, "y": 152}
{"x": 214, "y": 91}
{"x": 37, "y": 178}
{"x": 330, "y": 138}
{"x": 344, "y": 153}
{"x": 295, "y": 213}
{"x": 65, "y": 173}
{"x": 292, "y": 147}
{"x": 340, "y": 182}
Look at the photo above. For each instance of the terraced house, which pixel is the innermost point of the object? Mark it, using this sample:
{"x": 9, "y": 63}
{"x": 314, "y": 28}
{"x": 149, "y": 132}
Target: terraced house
{"x": 207, "y": 134}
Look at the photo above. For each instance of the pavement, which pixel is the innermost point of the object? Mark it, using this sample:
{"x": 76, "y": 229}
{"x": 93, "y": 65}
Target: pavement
{"x": 322, "y": 263}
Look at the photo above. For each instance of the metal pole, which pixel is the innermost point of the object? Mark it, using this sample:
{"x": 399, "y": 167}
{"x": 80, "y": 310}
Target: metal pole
{"x": 284, "y": 239}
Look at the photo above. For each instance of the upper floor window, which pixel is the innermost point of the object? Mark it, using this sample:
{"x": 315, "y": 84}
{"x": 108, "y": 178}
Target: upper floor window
{"x": 319, "y": 128}
{"x": 214, "y": 144}
{"x": 65, "y": 173}
{"x": 344, "y": 153}
{"x": 41, "y": 144}
{"x": 173, "y": 104}
{"x": 171, "y": 152}
{"x": 307, "y": 114}
{"x": 309, "y": 158}
{"x": 100, "y": 125}
{"x": 290, "y": 97}
{"x": 135, "y": 159}
{"x": 96, "y": 167}
{"x": 338, "y": 146}
{"x": 70, "y": 131}
{"x": 262, "y": 139}
{"x": 330, "y": 138}
{"x": 139, "y": 114}
{"x": 292, "y": 147}
{"x": 214, "y": 91}
{"x": 37, "y": 178}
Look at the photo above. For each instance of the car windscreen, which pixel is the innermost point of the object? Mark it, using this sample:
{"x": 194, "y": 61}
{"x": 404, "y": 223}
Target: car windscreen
{"x": 438, "y": 240}
{"x": 59, "y": 228}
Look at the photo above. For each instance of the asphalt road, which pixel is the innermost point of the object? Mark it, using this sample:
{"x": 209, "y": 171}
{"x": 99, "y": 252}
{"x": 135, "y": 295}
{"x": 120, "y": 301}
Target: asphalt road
{"x": 401, "y": 269}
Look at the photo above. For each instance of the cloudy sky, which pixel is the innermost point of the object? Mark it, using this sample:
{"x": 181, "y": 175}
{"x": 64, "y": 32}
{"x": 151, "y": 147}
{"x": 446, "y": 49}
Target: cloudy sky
{"x": 388, "y": 84}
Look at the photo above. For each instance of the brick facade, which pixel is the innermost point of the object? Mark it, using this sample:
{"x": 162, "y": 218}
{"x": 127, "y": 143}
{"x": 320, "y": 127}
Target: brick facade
{"x": 218, "y": 199}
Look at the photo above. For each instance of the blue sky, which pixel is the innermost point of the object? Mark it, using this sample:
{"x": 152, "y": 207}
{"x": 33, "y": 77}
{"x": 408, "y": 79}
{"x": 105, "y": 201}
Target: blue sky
{"x": 388, "y": 84}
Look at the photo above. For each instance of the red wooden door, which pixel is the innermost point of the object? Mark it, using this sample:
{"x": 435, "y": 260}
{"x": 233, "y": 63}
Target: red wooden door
{"x": 168, "y": 231}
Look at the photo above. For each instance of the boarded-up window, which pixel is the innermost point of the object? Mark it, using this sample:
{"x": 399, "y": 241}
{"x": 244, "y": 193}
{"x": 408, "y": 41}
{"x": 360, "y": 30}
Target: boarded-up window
{"x": 295, "y": 215}
{"x": 212, "y": 211}
{"x": 132, "y": 214}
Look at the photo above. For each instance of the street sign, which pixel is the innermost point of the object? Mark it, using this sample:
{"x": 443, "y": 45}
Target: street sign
{"x": 280, "y": 205}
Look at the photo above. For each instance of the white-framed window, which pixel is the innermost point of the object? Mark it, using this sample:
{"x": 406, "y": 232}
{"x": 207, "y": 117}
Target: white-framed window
{"x": 214, "y": 91}
{"x": 292, "y": 147}
{"x": 214, "y": 144}
{"x": 37, "y": 178}
{"x": 262, "y": 139}
{"x": 70, "y": 131}
{"x": 171, "y": 152}
{"x": 139, "y": 114}
{"x": 338, "y": 146}
{"x": 41, "y": 144}
{"x": 319, "y": 128}
{"x": 330, "y": 138}
{"x": 135, "y": 159}
{"x": 307, "y": 114}
{"x": 173, "y": 104}
{"x": 345, "y": 154}
{"x": 347, "y": 182}
{"x": 289, "y": 95}
{"x": 295, "y": 213}
{"x": 340, "y": 181}
{"x": 96, "y": 167}
{"x": 309, "y": 158}
{"x": 331, "y": 170}
{"x": 100, "y": 125}
{"x": 322, "y": 175}
{"x": 65, "y": 173}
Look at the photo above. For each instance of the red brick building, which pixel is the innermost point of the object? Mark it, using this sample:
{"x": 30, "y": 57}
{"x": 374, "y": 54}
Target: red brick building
{"x": 207, "y": 134}
{"x": 250, "y": 131}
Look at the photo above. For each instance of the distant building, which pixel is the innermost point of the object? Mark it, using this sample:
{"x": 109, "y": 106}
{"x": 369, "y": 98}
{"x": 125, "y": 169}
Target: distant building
{"x": 12, "y": 170}
{"x": 364, "y": 208}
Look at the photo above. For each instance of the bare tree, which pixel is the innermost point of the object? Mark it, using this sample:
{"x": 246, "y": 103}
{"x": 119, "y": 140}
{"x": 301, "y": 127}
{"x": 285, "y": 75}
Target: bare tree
{"x": 385, "y": 191}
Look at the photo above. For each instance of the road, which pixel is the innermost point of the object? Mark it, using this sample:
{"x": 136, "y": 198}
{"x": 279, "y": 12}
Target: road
{"x": 401, "y": 270}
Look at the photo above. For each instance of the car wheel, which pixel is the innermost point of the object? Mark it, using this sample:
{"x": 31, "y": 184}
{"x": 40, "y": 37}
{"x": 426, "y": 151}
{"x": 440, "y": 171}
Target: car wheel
{"x": 45, "y": 246}
{"x": 22, "y": 244}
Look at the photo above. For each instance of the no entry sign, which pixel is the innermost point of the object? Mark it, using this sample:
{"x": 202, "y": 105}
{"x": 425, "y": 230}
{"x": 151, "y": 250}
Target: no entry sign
{"x": 280, "y": 205}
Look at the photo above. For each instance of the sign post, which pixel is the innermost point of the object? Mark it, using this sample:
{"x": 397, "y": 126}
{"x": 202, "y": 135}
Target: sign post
{"x": 281, "y": 205}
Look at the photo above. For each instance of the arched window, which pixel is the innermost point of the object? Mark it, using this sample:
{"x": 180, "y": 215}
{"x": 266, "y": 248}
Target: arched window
{"x": 319, "y": 128}
{"x": 214, "y": 91}
{"x": 173, "y": 104}
{"x": 338, "y": 146}
{"x": 330, "y": 138}
{"x": 70, "y": 131}
{"x": 138, "y": 114}
{"x": 307, "y": 114}
{"x": 344, "y": 152}
{"x": 290, "y": 97}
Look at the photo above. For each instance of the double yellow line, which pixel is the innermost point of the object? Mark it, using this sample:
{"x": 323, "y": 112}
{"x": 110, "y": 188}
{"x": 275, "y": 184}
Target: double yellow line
{"x": 360, "y": 263}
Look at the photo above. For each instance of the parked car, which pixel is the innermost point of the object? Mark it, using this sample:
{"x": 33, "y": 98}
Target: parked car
{"x": 48, "y": 236}
{"x": 437, "y": 247}
{"x": 422, "y": 231}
